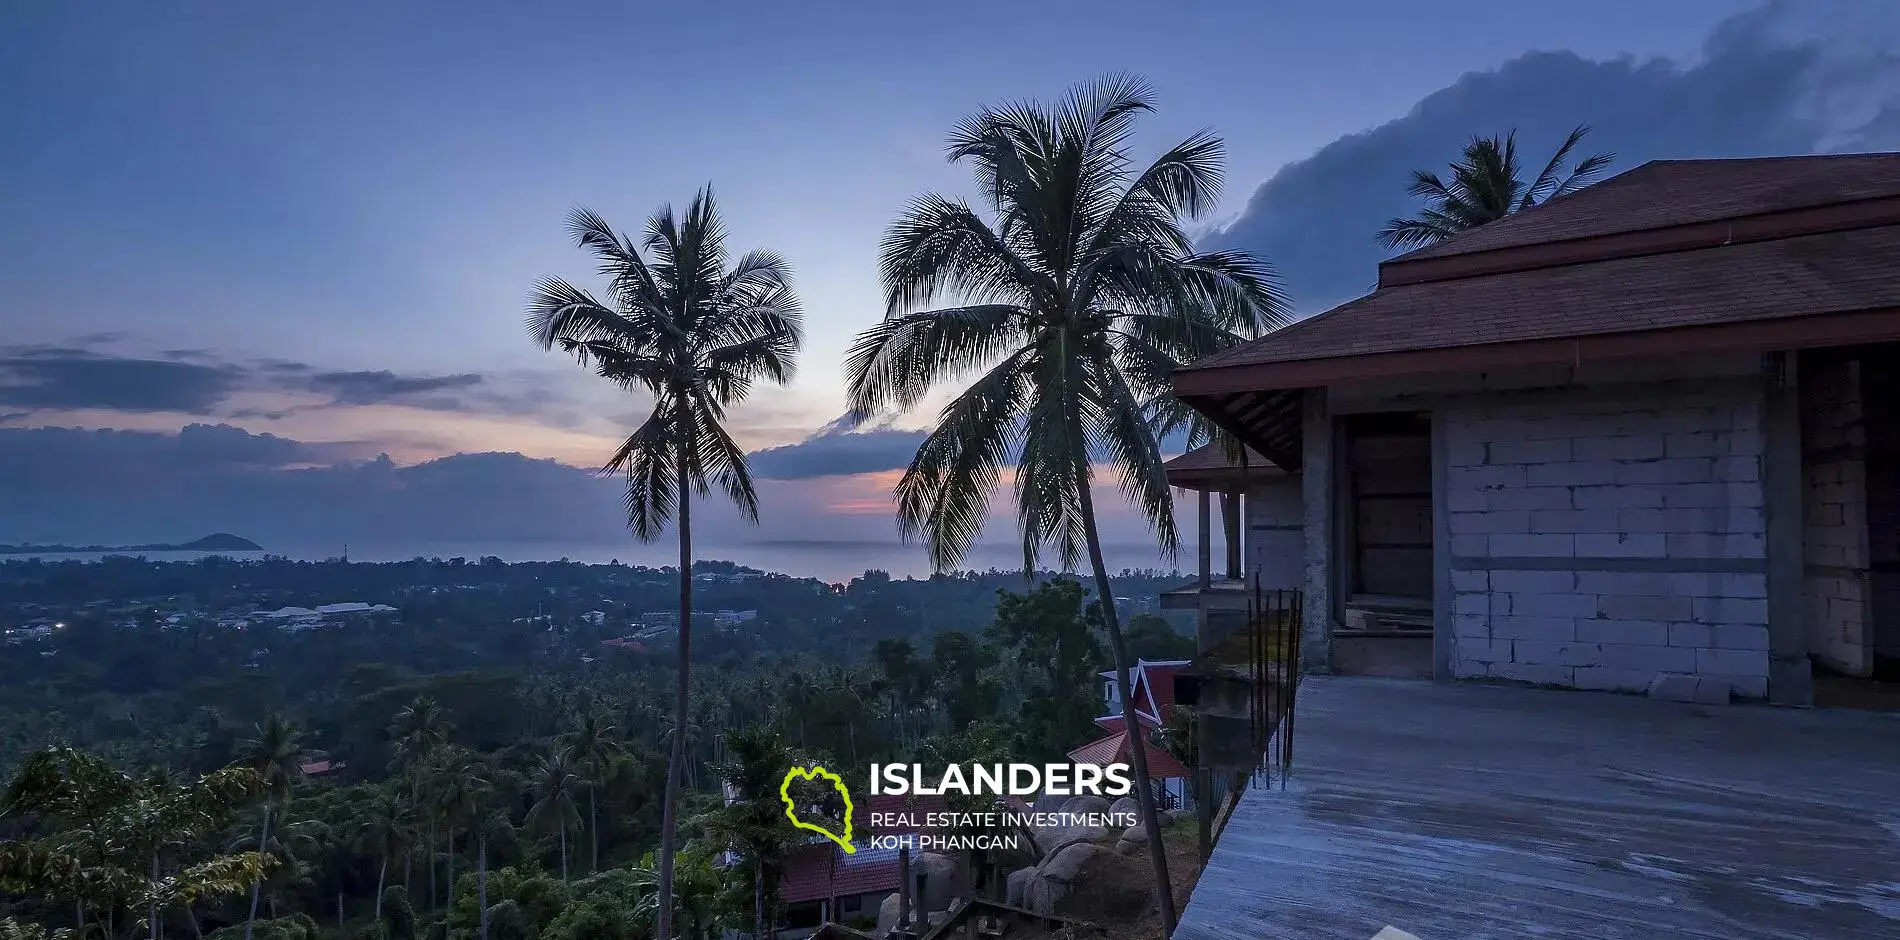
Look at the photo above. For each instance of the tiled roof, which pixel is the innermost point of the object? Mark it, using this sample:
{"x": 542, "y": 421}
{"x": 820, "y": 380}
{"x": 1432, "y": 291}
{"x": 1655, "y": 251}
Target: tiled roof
{"x": 1114, "y": 749}
{"x": 822, "y": 870}
{"x": 1835, "y": 272}
{"x": 1684, "y": 192}
{"x": 1213, "y": 456}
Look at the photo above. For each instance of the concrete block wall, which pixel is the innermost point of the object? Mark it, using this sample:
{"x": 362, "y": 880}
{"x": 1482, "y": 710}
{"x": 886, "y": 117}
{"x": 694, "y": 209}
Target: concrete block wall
{"x": 1600, "y": 537}
{"x": 1275, "y": 518}
{"x": 1835, "y": 549}
{"x": 1880, "y": 403}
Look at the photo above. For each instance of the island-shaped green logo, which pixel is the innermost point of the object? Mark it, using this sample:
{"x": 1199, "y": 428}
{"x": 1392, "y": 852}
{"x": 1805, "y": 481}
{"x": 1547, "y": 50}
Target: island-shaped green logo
{"x": 816, "y": 773}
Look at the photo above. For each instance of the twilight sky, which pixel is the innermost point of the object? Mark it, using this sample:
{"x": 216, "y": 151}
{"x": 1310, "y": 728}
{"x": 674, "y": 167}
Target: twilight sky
{"x": 319, "y": 222}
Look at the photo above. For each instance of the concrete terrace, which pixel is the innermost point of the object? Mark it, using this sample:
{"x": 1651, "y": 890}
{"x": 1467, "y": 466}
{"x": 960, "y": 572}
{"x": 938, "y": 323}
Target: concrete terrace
{"x": 1464, "y": 811}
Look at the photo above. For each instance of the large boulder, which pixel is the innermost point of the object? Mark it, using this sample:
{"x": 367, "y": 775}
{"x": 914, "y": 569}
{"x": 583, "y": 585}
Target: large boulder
{"x": 1015, "y": 886}
{"x": 1085, "y": 803}
{"x": 938, "y": 873}
{"x": 1054, "y": 879}
{"x": 887, "y": 915}
{"x": 1126, "y": 808}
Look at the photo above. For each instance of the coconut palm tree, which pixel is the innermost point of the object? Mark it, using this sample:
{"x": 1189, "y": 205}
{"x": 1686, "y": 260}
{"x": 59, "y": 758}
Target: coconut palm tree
{"x": 1485, "y": 187}
{"x": 387, "y": 827}
{"x": 276, "y": 754}
{"x": 1070, "y": 306}
{"x": 419, "y": 733}
{"x": 554, "y": 801}
{"x": 752, "y": 823}
{"x": 696, "y": 330}
{"x": 462, "y": 799}
{"x": 592, "y": 745}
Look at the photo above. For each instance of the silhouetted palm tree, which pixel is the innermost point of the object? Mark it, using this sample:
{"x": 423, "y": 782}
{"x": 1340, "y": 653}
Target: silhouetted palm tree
{"x": 592, "y": 745}
{"x": 1079, "y": 299}
{"x": 276, "y": 754}
{"x": 553, "y": 806}
{"x": 1485, "y": 187}
{"x": 696, "y": 333}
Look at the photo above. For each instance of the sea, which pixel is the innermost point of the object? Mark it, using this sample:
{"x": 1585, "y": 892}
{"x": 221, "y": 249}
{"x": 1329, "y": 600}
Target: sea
{"x": 828, "y": 560}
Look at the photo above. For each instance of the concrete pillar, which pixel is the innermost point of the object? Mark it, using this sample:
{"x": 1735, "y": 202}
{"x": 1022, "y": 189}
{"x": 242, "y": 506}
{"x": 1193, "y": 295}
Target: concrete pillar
{"x": 1790, "y": 679}
{"x": 1206, "y": 546}
{"x": 1230, "y": 516}
{"x": 1318, "y": 485}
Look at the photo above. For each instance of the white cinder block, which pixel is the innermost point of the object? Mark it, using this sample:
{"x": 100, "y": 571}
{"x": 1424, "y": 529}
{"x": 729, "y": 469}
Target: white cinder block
{"x": 1574, "y": 473}
{"x": 1463, "y": 580}
{"x": 1485, "y": 523}
{"x": 1621, "y": 545}
{"x": 1544, "y": 545}
{"x": 1739, "y": 637}
{"x": 1729, "y": 610}
{"x": 1534, "y": 628}
{"x": 1625, "y": 632}
{"x": 1560, "y": 654}
{"x": 1471, "y": 604}
{"x": 1530, "y": 451}
{"x": 1624, "y": 582}
{"x": 1653, "y": 658}
{"x": 1732, "y": 662}
{"x": 1644, "y": 607}
{"x": 1552, "y": 605}
{"x": 1534, "y": 582}
{"x": 1691, "y": 635}
{"x": 1635, "y": 496}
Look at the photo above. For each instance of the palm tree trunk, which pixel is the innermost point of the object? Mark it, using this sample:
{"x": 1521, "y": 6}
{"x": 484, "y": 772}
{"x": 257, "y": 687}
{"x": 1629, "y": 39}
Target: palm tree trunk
{"x": 191, "y": 915}
{"x": 435, "y": 892}
{"x": 564, "y": 853}
{"x": 263, "y": 845}
{"x": 1137, "y": 735}
{"x": 448, "y": 859}
{"x": 669, "y": 826}
{"x": 593, "y": 823}
{"x": 381, "y": 873}
{"x": 758, "y": 898}
{"x": 481, "y": 880}
{"x": 151, "y": 913}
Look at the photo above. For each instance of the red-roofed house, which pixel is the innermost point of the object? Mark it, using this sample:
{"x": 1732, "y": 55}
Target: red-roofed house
{"x": 821, "y": 874}
{"x": 1153, "y": 682}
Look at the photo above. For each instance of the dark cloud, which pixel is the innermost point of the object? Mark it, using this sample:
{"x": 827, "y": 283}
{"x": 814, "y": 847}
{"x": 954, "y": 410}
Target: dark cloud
{"x": 68, "y": 484}
{"x": 57, "y": 378}
{"x": 1786, "y": 79}
{"x": 837, "y": 452}
{"x": 374, "y": 388}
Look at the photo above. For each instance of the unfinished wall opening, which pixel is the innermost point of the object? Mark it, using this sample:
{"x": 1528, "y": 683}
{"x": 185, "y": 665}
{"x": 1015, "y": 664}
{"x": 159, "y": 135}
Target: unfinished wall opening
{"x": 1850, "y": 454}
{"x": 1384, "y": 545}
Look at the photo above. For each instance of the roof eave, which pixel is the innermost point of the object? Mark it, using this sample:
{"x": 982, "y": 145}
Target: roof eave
{"x": 1791, "y": 332}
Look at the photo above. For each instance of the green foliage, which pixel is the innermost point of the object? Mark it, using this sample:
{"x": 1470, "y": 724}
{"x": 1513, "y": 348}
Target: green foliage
{"x": 1152, "y": 637}
{"x": 289, "y": 927}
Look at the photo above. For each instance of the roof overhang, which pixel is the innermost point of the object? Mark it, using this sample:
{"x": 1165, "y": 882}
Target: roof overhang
{"x": 1260, "y": 403}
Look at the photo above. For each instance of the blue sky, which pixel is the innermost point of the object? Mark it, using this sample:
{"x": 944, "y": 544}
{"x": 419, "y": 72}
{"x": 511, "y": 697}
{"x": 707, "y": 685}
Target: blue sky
{"x": 327, "y": 216}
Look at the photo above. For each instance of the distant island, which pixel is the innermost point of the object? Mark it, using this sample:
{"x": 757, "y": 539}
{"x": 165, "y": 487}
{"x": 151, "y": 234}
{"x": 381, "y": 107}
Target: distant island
{"x": 216, "y": 542}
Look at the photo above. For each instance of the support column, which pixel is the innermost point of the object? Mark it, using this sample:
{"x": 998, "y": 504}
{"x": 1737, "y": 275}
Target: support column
{"x": 1318, "y": 487}
{"x": 1206, "y": 546}
{"x": 1230, "y": 515}
{"x": 1790, "y": 678}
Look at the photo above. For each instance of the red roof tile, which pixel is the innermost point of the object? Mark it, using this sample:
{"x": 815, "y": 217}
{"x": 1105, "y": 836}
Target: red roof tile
{"x": 822, "y": 870}
{"x": 1114, "y": 749}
